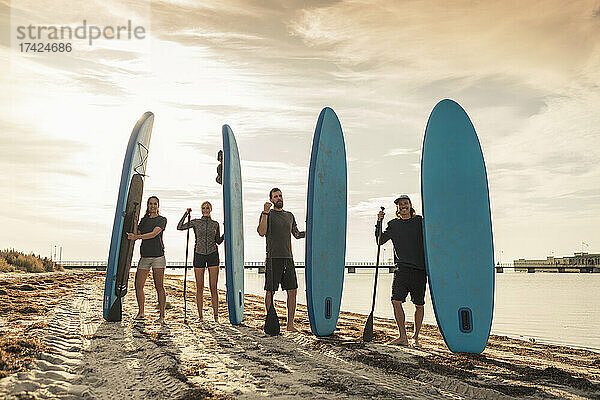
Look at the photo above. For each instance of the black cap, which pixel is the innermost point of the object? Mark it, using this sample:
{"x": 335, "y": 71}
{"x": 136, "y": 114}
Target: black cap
{"x": 403, "y": 197}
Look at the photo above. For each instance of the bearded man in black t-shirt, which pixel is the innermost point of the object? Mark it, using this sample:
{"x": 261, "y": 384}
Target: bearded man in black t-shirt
{"x": 406, "y": 232}
{"x": 278, "y": 226}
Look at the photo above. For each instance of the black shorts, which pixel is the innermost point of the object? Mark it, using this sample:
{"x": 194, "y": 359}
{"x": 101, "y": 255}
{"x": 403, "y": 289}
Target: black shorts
{"x": 206, "y": 260}
{"x": 280, "y": 271}
{"x": 409, "y": 280}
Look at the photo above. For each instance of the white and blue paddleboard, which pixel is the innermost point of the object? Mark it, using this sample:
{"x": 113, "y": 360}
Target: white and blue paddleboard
{"x": 326, "y": 224}
{"x": 457, "y": 229}
{"x": 233, "y": 227}
{"x": 126, "y": 217}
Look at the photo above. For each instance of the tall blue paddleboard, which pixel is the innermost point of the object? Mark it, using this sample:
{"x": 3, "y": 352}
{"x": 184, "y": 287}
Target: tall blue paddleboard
{"x": 234, "y": 227}
{"x": 457, "y": 229}
{"x": 126, "y": 217}
{"x": 326, "y": 224}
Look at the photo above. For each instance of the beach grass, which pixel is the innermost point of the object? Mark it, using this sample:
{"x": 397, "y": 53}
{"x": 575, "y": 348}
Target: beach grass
{"x": 17, "y": 352}
{"x": 16, "y": 261}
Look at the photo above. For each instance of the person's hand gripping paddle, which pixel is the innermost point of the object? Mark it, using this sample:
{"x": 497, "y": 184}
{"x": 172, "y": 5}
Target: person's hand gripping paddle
{"x": 187, "y": 244}
{"x": 368, "y": 331}
{"x": 272, "y": 320}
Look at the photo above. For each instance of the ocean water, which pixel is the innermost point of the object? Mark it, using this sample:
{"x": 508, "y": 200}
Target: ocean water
{"x": 551, "y": 308}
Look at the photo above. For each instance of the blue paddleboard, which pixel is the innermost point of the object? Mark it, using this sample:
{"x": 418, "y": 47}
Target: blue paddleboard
{"x": 457, "y": 229}
{"x": 126, "y": 216}
{"x": 233, "y": 226}
{"x": 326, "y": 224}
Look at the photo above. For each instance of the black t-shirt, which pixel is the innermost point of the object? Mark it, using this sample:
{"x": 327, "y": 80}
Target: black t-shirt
{"x": 152, "y": 247}
{"x": 281, "y": 225}
{"x": 407, "y": 236}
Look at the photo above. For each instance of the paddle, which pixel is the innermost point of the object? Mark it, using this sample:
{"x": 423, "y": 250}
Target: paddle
{"x": 219, "y": 177}
{"x": 115, "y": 313}
{"x": 187, "y": 244}
{"x": 368, "y": 331}
{"x": 131, "y": 222}
{"x": 272, "y": 320}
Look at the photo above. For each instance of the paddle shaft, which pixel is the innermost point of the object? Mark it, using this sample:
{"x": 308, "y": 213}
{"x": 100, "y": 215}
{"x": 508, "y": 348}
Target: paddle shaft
{"x": 124, "y": 271}
{"x": 271, "y": 319}
{"x": 379, "y": 223}
{"x": 187, "y": 244}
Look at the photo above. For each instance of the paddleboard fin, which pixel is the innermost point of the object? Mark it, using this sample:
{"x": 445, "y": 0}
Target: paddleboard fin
{"x": 328, "y": 308}
{"x": 465, "y": 318}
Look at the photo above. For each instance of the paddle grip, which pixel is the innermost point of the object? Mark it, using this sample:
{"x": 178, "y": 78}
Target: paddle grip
{"x": 379, "y": 224}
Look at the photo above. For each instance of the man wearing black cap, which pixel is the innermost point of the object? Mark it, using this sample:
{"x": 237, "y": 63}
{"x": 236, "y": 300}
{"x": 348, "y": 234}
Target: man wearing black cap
{"x": 406, "y": 233}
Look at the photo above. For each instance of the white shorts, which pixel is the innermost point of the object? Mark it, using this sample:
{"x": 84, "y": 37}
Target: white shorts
{"x": 146, "y": 263}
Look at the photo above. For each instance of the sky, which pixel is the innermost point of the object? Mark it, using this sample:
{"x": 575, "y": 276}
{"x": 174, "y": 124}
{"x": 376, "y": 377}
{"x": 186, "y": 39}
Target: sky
{"x": 527, "y": 73}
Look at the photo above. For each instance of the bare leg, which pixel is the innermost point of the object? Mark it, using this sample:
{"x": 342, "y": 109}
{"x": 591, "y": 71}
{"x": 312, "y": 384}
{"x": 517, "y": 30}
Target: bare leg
{"x": 199, "y": 274}
{"x": 140, "y": 280}
{"x": 401, "y": 340}
{"x": 291, "y": 309}
{"x": 158, "y": 274}
{"x": 419, "y": 311}
{"x": 213, "y": 277}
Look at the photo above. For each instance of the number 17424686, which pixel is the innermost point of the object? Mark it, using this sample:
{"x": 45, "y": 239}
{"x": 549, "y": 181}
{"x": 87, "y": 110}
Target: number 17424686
{"x": 45, "y": 47}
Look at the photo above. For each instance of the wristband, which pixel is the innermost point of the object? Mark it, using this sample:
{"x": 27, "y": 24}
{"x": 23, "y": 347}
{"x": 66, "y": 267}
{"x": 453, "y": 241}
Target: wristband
{"x": 265, "y": 213}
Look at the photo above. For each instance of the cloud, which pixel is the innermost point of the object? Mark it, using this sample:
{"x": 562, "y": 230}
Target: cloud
{"x": 479, "y": 36}
{"x": 20, "y": 145}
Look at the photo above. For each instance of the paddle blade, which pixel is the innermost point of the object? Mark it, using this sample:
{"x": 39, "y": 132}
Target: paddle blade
{"x": 368, "y": 331}
{"x": 115, "y": 313}
{"x": 219, "y": 177}
{"x": 272, "y": 322}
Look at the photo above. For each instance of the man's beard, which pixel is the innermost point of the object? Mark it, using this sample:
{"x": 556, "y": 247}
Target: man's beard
{"x": 398, "y": 213}
{"x": 279, "y": 204}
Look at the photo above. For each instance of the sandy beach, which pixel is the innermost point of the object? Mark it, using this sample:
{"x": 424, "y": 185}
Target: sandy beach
{"x": 55, "y": 344}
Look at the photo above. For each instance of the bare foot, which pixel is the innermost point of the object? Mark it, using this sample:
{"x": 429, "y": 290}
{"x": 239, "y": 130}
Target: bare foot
{"x": 291, "y": 328}
{"x": 399, "y": 341}
{"x": 139, "y": 316}
{"x": 416, "y": 341}
{"x": 161, "y": 320}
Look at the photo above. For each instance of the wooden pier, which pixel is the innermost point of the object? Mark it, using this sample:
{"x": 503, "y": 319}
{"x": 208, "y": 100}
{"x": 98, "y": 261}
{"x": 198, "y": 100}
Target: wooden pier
{"x": 258, "y": 265}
